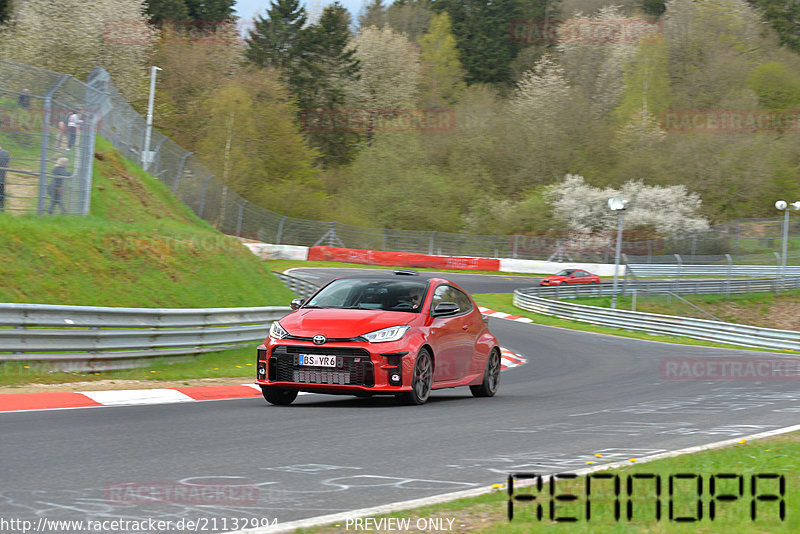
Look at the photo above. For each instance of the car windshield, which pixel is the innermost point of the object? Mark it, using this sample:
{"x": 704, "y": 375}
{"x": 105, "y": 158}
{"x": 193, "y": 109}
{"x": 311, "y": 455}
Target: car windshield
{"x": 565, "y": 272}
{"x": 353, "y": 293}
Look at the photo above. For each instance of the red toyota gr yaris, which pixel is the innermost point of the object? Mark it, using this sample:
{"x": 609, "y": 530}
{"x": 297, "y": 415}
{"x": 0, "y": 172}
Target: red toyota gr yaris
{"x": 383, "y": 334}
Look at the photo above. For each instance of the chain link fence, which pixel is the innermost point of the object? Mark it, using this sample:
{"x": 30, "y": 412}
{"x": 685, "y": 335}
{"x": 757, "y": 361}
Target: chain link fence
{"x": 34, "y": 141}
{"x": 47, "y": 120}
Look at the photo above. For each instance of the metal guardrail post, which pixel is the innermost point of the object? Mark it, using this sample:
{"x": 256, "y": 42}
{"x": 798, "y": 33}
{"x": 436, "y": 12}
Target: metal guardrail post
{"x": 179, "y": 173}
{"x": 430, "y": 243}
{"x": 48, "y": 104}
{"x": 239, "y": 218}
{"x": 279, "y": 233}
{"x": 728, "y": 279}
{"x": 777, "y": 268}
{"x": 203, "y": 195}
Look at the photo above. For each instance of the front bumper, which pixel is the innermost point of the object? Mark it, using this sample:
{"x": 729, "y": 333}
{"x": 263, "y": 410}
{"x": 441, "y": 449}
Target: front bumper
{"x": 360, "y": 367}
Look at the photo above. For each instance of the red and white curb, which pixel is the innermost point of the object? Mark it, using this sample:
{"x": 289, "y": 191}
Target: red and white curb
{"x": 501, "y": 315}
{"x": 19, "y": 402}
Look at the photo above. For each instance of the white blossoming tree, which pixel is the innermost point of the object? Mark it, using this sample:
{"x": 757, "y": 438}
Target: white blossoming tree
{"x": 667, "y": 210}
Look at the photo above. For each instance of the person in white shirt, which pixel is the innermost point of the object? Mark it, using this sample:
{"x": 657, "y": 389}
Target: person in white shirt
{"x": 73, "y": 122}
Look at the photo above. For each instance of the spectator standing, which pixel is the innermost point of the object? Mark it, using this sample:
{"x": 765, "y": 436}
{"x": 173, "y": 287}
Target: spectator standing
{"x": 25, "y": 99}
{"x": 5, "y": 157}
{"x": 73, "y": 122}
{"x": 56, "y": 187}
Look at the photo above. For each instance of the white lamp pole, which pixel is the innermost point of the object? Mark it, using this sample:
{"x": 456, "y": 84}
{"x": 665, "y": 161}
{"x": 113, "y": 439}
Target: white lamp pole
{"x": 617, "y": 204}
{"x": 147, "y": 157}
{"x": 783, "y": 205}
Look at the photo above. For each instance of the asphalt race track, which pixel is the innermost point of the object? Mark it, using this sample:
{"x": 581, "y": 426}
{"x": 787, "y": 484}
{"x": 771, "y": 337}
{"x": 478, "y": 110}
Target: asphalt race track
{"x": 579, "y": 394}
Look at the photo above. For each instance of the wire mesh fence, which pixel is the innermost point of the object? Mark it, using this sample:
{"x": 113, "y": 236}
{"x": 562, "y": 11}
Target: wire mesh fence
{"x": 32, "y": 135}
{"x": 48, "y": 123}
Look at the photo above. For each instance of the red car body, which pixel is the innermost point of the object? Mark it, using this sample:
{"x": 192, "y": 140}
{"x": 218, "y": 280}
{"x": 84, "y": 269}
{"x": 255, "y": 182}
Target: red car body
{"x": 458, "y": 344}
{"x": 570, "y": 276}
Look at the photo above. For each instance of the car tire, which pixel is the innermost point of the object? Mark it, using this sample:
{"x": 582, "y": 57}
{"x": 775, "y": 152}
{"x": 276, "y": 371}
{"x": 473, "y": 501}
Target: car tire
{"x": 278, "y": 396}
{"x": 421, "y": 382}
{"x": 491, "y": 377}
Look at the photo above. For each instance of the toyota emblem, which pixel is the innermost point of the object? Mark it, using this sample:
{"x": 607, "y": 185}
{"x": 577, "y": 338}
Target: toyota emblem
{"x": 319, "y": 339}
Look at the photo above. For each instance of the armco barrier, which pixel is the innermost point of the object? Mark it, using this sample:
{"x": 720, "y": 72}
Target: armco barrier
{"x": 664, "y": 287}
{"x": 720, "y": 271}
{"x": 736, "y": 334}
{"x": 99, "y": 338}
{"x": 403, "y": 259}
{"x": 300, "y": 287}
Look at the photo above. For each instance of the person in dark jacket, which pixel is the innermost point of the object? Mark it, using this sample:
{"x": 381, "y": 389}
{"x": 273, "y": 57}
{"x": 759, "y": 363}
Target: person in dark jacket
{"x": 24, "y": 99}
{"x": 5, "y": 157}
{"x": 56, "y": 187}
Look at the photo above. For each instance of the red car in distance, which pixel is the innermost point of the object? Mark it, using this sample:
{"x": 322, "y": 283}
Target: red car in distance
{"x": 570, "y": 276}
{"x": 383, "y": 334}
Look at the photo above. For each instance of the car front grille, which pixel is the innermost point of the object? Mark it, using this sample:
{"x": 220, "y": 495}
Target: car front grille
{"x": 353, "y": 366}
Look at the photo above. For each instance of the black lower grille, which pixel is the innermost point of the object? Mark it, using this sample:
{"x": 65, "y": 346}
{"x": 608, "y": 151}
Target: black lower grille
{"x": 353, "y": 366}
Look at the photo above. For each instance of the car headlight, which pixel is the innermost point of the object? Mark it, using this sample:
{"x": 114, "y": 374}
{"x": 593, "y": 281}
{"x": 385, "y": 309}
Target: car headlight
{"x": 276, "y": 331}
{"x": 393, "y": 333}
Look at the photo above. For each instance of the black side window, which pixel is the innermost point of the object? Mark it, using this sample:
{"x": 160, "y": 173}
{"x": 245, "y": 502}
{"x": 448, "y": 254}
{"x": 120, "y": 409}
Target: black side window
{"x": 450, "y": 294}
{"x": 461, "y": 298}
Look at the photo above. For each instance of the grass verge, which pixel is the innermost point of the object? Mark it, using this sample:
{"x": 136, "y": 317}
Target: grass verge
{"x": 778, "y": 455}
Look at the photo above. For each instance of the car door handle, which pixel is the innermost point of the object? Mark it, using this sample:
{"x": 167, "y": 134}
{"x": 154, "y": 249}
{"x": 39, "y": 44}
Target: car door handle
{"x": 465, "y": 327}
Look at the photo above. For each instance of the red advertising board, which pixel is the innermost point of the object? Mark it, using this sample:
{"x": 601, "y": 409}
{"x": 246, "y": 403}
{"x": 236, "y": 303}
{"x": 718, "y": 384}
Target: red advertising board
{"x": 401, "y": 259}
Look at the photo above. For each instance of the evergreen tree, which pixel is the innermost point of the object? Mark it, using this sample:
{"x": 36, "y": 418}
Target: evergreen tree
{"x": 481, "y": 28}
{"x": 784, "y": 15}
{"x": 373, "y": 14}
{"x": 5, "y": 9}
{"x": 210, "y": 10}
{"x": 167, "y": 11}
{"x": 276, "y": 38}
{"x": 326, "y": 65}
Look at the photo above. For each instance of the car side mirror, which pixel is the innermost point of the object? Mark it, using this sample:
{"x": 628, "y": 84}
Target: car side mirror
{"x": 296, "y": 303}
{"x": 445, "y": 308}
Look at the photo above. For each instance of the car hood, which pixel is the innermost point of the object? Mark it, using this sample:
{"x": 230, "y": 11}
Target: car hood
{"x": 333, "y": 323}
{"x": 555, "y": 278}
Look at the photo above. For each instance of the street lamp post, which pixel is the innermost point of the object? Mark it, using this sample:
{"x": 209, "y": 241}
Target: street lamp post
{"x": 617, "y": 204}
{"x": 783, "y": 205}
{"x": 147, "y": 157}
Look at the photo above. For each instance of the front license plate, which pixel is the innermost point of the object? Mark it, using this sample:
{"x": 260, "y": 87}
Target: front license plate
{"x": 317, "y": 360}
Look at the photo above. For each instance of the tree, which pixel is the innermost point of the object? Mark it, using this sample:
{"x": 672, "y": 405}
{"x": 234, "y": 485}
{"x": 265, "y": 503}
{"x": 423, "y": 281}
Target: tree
{"x": 373, "y": 14}
{"x": 395, "y": 186}
{"x": 192, "y": 71}
{"x": 5, "y": 9}
{"x": 411, "y": 17}
{"x": 161, "y": 11}
{"x": 249, "y": 138}
{"x": 210, "y": 10}
{"x": 389, "y": 70}
{"x": 75, "y": 36}
{"x": 785, "y": 18}
{"x": 777, "y": 86}
{"x": 481, "y": 28}
{"x": 553, "y": 120}
{"x": 327, "y": 64}
{"x": 275, "y": 39}
{"x": 670, "y": 211}
{"x": 596, "y": 67}
{"x": 442, "y": 73}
